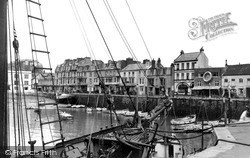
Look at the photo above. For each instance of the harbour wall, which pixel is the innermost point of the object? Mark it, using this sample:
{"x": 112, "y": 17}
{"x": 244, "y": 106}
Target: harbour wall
{"x": 209, "y": 109}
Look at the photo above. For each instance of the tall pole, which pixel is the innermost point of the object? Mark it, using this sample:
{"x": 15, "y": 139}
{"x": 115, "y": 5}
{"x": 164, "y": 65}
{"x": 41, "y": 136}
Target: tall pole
{"x": 225, "y": 110}
{"x": 3, "y": 79}
{"x": 202, "y": 125}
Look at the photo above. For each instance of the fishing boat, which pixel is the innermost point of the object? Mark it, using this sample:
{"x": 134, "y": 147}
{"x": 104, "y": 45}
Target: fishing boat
{"x": 89, "y": 109}
{"x": 65, "y": 116}
{"x": 123, "y": 141}
{"x": 65, "y": 98}
{"x": 78, "y": 106}
{"x": 184, "y": 120}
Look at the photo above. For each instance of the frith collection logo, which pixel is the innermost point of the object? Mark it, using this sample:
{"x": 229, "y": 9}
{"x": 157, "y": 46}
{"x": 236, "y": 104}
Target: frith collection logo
{"x": 211, "y": 28}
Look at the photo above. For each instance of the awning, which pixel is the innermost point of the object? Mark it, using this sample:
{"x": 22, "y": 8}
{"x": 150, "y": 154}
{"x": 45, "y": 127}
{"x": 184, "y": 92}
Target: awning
{"x": 205, "y": 87}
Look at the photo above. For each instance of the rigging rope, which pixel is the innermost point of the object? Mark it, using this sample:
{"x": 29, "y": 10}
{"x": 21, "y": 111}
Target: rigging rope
{"x": 137, "y": 26}
{"x": 110, "y": 54}
{"x": 125, "y": 41}
{"x": 90, "y": 50}
{"x": 12, "y": 81}
{"x": 18, "y": 73}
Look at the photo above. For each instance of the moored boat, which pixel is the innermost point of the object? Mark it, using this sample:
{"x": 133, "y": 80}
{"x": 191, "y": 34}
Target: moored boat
{"x": 66, "y": 98}
{"x": 89, "y": 109}
{"x": 78, "y": 106}
{"x": 184, "y": 120}
{"x": 65, "y": 116}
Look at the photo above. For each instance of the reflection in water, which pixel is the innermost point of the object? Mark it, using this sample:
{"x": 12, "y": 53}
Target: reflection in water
{"x": 83, "y": 123}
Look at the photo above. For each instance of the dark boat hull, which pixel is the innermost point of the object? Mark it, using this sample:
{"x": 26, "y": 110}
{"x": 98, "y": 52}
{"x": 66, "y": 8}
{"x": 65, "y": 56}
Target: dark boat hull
{"x": 71, "y": 99}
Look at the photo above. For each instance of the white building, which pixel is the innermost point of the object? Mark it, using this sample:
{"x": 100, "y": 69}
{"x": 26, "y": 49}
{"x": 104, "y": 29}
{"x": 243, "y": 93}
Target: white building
{"x": 236, "y": 79}
{"x": 184, "y": 66}
{"x": 25, "y": 76}
{"x": 135, "y": 75}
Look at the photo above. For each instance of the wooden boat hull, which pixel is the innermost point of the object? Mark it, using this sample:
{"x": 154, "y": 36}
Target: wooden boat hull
{"x": 184, "y": 120}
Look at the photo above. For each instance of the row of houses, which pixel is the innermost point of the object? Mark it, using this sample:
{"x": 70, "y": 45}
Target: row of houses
{"x": 121, "y": 77}
{"x": 189, "y": 74}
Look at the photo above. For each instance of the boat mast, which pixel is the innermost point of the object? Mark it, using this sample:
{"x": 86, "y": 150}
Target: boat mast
{"x": 4, "y": 78}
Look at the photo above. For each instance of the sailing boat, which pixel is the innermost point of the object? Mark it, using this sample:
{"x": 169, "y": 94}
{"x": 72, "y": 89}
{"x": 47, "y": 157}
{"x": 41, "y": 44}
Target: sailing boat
{"x": 125, "y": 140}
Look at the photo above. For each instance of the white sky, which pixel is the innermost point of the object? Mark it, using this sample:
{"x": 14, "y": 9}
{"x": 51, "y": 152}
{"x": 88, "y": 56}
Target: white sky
{"x": 164, "y": 25}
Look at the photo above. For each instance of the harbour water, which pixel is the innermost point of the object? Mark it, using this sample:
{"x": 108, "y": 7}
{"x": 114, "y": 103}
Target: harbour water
{"x": 84, "y": 122}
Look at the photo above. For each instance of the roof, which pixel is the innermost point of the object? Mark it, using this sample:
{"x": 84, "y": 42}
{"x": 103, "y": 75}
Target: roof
{"x": 233, "y": 70}
{"x": 187, "y": 57}
{"x": 135, "y": 67}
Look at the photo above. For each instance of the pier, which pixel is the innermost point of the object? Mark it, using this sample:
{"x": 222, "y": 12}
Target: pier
{"x": 232, "y": 141}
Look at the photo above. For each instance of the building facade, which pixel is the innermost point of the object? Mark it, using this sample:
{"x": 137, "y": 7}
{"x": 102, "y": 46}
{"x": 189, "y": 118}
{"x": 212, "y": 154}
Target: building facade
{"x": 184, "y": 66}
{"x": 208, "y": 81}
{"x": 45, "y": 83}
{"x": 13, "y": 79}
{"x": 236, "y": 80}
{"x": 134, "y": 76}
{"x": 159, "y": 78}
{"x": 84, "y": 75}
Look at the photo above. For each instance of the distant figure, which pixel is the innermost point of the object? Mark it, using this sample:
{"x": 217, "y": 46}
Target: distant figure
{"x": 245, "y": 116}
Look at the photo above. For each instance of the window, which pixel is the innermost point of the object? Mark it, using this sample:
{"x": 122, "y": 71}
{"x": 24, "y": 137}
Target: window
{"x": 187, "y": 66}
{"x": 193, "y": 65}
{"x": 162, "y": 80}
{"x": 248, "y": 79}
{"x": 187, "y": 76}
{"x": 215, "y": 74}
{"x": 124, "y": 73}
{"x": 177, "y": 67}
{"x": 182, "y": 75}
{"x": 141, "y": 80}
{"x": 133, "y": 73}
{"x": 225, "y": 80}
{"x": 26, "y": 82}
{"x": 141, "y": 88}
{"x": 241, "y": 91}
{"x": 131, "y": 80}
{"x": 232, "y": 79}
{"x": 182, "y": 65}
{"x": 151, "y": 81}
{"x": 201, "y": 75}
{"x": 177, "y": 76}
{"x": 16, "y": 82}
{"x": 192, "y": 76}
{"x": 26, "y": 76}
{"x": 241, "y": 80}
{"x": 217, "y": 83}
{"x": 199, "y": 83}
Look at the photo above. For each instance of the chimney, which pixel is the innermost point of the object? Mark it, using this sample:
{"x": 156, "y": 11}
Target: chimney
{"x": 201, "y": 50}
{"x": 159, "y": 62}
{"x": 182, "y": 52}
{"x": 153, "y": 63}
{"x": 145, "y": 61}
